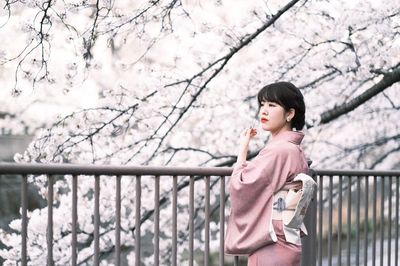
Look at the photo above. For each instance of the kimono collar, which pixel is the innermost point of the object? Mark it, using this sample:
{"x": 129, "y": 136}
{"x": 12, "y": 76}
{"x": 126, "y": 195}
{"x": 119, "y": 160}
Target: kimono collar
{"x": 291, "y": 136}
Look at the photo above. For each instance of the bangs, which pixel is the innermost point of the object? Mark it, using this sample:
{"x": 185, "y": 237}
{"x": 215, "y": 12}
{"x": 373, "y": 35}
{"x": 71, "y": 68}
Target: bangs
{"x": 269, "y": 94}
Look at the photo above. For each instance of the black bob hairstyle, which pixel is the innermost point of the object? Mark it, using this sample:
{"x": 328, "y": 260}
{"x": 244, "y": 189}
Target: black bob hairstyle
{"x": 288, "y": 96}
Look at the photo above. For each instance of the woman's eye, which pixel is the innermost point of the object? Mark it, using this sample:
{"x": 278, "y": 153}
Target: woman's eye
{"x": 268, "y": 104}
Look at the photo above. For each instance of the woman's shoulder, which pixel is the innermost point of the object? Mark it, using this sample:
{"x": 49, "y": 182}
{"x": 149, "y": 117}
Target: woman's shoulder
{"x": 283, "y": 145}
{"x": 284, "y": 148}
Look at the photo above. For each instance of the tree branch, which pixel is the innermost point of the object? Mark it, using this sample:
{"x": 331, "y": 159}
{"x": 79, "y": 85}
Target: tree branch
{"x": 388, "y": 80}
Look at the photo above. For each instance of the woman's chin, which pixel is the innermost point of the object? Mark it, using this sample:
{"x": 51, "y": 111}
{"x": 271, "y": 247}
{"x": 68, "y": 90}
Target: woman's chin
{"x": 265, "y": 127}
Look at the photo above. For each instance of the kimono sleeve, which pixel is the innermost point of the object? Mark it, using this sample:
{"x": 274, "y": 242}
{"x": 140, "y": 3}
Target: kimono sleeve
{"x": 270, "y": 168}
{"x": 251, "y": 189}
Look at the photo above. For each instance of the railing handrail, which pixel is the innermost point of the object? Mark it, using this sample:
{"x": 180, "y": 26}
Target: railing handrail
{"x": 348, "y": 172}
{"x": 112, "y": 170}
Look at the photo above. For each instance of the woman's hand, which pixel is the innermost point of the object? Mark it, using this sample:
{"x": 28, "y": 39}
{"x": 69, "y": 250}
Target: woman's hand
{"x": 245, "y": 137}
{"x": 247, "y": 134}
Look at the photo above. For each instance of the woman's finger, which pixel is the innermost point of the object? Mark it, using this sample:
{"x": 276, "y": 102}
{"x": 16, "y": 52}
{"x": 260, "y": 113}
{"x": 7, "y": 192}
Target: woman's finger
{"x": 250, "y": 132}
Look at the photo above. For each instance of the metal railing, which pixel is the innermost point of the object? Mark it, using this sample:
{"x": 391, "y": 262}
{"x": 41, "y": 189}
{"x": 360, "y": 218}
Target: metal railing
{"x": 357, "y": 216}
{"x": 334, "y": 217}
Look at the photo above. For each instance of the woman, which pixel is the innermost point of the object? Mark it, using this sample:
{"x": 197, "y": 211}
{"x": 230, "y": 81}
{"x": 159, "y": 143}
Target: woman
{"x": 255, "y": 223}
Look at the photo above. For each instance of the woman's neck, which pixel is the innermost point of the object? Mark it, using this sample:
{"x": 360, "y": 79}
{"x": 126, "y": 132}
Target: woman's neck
{"x": 278, "y": 132}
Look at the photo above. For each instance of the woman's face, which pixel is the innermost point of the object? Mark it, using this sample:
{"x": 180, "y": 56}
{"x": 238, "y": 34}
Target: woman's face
{"x": 273, "y": 117}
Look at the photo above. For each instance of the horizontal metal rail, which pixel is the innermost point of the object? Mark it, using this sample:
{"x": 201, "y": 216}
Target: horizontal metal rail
{"x": 109, "y": 170}
{"x": 112, "y": 170}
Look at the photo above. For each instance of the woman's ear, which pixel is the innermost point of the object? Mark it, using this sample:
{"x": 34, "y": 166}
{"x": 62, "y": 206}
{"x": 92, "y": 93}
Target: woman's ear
{"x": 290, "y": 114}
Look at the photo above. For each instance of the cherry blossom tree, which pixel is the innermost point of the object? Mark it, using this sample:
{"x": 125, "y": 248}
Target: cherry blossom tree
{"x": 174, "y": 82}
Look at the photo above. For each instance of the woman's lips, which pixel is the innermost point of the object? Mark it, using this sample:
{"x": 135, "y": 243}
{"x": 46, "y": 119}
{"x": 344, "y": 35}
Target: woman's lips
{"x": 263, "y": 120}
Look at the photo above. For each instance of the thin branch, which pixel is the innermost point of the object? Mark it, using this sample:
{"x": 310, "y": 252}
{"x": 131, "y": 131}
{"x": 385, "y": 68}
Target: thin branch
{"x": 319, "y": 79}
{"x": 384, "y": 156}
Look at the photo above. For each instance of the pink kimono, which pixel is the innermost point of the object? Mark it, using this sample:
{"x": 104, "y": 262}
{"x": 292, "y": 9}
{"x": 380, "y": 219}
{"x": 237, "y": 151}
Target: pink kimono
{"x": 251, "y": 229}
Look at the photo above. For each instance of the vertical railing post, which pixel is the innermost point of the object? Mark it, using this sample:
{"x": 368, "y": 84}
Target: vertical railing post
{"x": 330, "y": 201}
{"x": 174, "y": 219}
{"x": 96, "y": 261}
{"x": 366, "y": 220}
{"x": 137, "y": 220}
{"x": 309, "y": 243}
{"x": 389, "y": 243}
{"x": 207, "y": 221}
{"x": 396, "y": 248}
{"x": 74, "y": 219}
{"x": 340, "y": 222}
{"x": 374, "y": 202}
{"x": 156, "y": 220}
{"x": 24, "y": 219}
{"x": 50, "y": 197}
{"x": 358, "y": 221}
{"x": 348, "y": 238}
{"x": 382, "y": 222}
{"x": 320, "y": 217}
{"x": 222, "y": 222}
{"x": 191, "y": 219}
{"x": 236, "y": 261}
{"x": 118, "y": 221}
